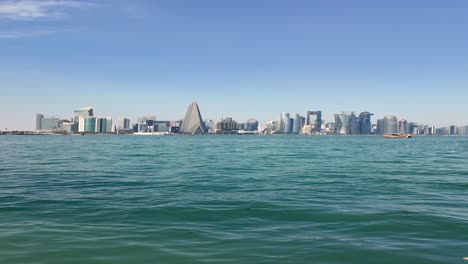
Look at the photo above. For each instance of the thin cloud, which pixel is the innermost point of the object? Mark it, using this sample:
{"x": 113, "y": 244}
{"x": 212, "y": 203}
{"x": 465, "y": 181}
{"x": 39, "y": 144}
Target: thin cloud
{"x": 31, "y": 9}
{"x": 28, "y": 34}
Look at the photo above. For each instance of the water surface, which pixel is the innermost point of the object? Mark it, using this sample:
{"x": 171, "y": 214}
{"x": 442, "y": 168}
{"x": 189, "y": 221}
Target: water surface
{"x": 233, "y": 199}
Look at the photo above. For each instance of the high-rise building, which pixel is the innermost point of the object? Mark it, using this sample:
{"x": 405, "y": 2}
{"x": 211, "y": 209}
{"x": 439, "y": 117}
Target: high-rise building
{"x": 296, "y": 124}
{"x": 81, "y": 124}
{"x": 227, "y": 126}
{"x": 47, "y": 123}
{"x": 90, "y": 124}
{"x": 252, "y": 125}
{"x": 346, "y": 123}
{"x": 39, "y": 121}
{"x": 413, "y": 128}
{"x": 389, "y": 124}
{"x": 123, "y": 123}
{"x": 193, "y": 121}
{"x": 82, "y": 112}
{"x": 272, "y": 127}
{"x": 421, "y": 129}
{"x": 379, "y": 127}
{"x": 286, "y": 123}
{"x": 403, "y": 126}
{"x": 314, "y": 118}
{"x": 50, "y": 124}
{"x": 103, "y": 125}
{"x": 452, "y": 130}
{"x": 364, "y": 123}
{"x": 430, "y": 130}
{"x": 283, "y": 122}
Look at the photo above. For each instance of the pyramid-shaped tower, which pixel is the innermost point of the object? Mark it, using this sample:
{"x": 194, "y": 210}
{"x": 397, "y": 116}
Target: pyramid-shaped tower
{"x": 193, "y": 121}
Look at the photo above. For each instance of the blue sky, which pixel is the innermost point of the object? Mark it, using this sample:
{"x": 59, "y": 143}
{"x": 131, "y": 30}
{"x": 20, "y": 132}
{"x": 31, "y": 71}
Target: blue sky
{"x": 236, "y": 58}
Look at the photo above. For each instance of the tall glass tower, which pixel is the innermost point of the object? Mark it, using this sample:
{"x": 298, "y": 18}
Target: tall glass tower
{"x": 39, "y": 118}
{"x": 346, "y": 124}
{"x": 296, "y": 123}
{"x": 82, "y": 112}
{"x": 364, "y": 123}
{"x": 389, "y": 125}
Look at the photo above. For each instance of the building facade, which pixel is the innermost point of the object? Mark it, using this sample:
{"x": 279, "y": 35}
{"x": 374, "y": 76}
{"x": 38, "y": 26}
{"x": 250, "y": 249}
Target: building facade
{"x": 39, "y": 121}
{"x": 50, "y": 124}
{"x": 314, "y": 119}
{"x": 252, "y": 125}
{"x": 364, "y": 123}
{"x": 389, "y": 124}
{"x": 296, "y": 124}
{"x": 346, "y": 124}
{"x": 403, "y": 126}
{"x": 82, "y": 112}
{"x": 193, "y": 121}
{"x": 227, "y": 126}
{"x": 123, "y": 123}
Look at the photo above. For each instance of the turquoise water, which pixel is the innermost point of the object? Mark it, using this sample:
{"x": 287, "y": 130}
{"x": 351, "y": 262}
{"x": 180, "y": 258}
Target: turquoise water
{"x": 233, "y": 199}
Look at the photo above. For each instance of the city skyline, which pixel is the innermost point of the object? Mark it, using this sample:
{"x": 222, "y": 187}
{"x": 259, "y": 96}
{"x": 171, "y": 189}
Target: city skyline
{"x": 243, "y": 59}
{"x": 345, "y": 123}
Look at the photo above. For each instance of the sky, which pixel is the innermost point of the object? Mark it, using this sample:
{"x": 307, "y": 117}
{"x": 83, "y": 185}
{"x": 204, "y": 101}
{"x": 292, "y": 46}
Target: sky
{"x": 242, "y": 59}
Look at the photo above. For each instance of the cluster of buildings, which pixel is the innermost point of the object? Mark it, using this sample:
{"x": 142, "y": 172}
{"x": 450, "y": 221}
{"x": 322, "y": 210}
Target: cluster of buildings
{"x": 345, "y": 123}
{"x": 83, "y": 121}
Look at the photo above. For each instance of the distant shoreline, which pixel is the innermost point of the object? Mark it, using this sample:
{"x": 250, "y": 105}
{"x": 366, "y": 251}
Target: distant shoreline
{"x": 31, "y": 133}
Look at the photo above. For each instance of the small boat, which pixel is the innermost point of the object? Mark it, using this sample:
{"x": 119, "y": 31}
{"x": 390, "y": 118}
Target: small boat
{"x": 396, "y": 135}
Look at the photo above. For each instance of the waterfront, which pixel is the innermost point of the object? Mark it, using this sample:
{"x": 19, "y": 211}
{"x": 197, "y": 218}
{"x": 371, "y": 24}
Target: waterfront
{"x": 233, "y": 199}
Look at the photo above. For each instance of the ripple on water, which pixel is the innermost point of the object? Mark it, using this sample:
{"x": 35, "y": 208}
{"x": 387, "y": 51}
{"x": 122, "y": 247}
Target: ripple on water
{"x": 122, "y": 199}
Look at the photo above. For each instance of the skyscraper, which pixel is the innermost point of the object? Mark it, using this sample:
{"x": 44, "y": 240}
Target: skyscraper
{"x": 82, "y": 112}
{"x": 103, "y": 125}
{"x": 296, "y": 124}
{"x": 403, "y": 126}
{"x": 123, "y": 123}
{"x": 314, "y": 118}
{"x": 81, "y": 124}
{"x": 193, "y": 121}
{"x": 39, "y": 121}
{"x": 379, "y": 127}
{"x": 252, "y": 125}
{"x": 90, "y": 124}
{"x": 389, "y": 124}
{"x": 452, "y": 130}
{"x": 364, "y": 123}
{"x": 283, "y": 122}
{"x": 413, "y": 128}
{"x": 345, "y": 123}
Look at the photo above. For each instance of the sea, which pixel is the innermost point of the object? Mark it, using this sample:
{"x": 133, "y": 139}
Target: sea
{"x": 233, "y": 199}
